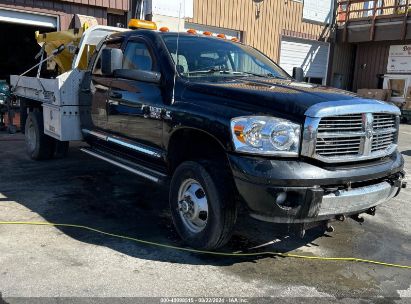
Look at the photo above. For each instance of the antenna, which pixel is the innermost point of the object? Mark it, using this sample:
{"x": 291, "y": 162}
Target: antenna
{"x": 176, "y": 62}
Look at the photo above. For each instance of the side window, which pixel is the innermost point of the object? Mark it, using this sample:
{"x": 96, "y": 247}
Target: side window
{"x": 138, "y": 57}
{"x": 114, "y": 44}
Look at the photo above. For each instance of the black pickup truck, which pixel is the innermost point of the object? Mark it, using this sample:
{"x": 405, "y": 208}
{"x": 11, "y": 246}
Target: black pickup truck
{"x": 224, "y": 127}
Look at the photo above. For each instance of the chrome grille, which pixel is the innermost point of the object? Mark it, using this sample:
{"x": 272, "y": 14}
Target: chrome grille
{"x": 383, "y": 121}
{"x": 352, "y": 137}
{"x": 382, "y": 142}
{"x": 338, "y": 146}
{"x": 350, "y": 123}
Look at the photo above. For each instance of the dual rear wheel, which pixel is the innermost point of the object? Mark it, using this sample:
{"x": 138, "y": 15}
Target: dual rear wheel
{"x": 39, "y": 145}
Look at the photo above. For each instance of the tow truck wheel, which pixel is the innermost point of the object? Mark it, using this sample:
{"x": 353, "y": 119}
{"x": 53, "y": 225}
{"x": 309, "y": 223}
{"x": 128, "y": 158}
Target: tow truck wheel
{"x": 39, "y": 146}
{"x": 202, "y": 206}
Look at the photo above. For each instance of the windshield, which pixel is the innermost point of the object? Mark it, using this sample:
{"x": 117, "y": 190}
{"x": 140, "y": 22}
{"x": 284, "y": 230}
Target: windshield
{"x": 204, "y": 56}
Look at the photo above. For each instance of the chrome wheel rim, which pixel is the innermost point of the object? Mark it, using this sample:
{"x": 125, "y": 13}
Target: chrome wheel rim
{"x": 31, "y": 138}
{"x": 193, "y": 205}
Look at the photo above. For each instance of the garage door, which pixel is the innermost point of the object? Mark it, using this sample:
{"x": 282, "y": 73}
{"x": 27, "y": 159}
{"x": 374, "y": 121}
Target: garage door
{"x": 310, "y": 55}
{"x": 11, "y": 16}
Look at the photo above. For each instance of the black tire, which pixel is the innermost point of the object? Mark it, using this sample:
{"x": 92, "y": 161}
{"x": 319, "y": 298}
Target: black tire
{"x": 39, "y": 145}
{"x": 222, "y": 211}
{"x": 61, "y": 149}
{"x": 23, "y": 115}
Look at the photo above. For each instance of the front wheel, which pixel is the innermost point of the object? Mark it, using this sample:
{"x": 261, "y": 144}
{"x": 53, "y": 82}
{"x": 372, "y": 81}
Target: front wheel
{"x": 202, "y": 205}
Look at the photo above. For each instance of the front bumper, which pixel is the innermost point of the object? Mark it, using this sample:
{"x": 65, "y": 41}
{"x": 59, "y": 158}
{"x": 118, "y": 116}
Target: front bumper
{"x": 286, "y": 191}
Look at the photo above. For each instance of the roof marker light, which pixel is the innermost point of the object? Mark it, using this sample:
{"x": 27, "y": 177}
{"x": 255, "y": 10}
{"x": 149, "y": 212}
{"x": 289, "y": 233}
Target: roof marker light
{"x": 164, "y": 29}
{"x": 192, "y": 31}
{"x": 234, "y": 39}
{"x": 208, "y": 34}
{"x": 222, "y": 36}
{"x": 135, "y": 24}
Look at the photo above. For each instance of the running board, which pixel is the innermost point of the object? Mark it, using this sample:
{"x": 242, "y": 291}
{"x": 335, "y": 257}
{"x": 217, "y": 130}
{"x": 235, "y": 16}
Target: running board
{"x": 142, "y": 171}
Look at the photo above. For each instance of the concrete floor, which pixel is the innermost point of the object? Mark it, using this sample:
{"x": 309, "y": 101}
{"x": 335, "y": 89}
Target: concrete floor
{"x": 66, "y": 262}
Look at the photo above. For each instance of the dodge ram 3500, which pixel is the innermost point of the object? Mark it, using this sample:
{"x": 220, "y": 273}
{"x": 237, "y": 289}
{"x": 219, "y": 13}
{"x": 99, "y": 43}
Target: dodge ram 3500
{"x": 222, "y": 125}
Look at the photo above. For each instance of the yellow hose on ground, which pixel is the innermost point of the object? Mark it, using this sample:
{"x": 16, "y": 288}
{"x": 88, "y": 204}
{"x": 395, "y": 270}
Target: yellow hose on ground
{"x": 226, "y": 254}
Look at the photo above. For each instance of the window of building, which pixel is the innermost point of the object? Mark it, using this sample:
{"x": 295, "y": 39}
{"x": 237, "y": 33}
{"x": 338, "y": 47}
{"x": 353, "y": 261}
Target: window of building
{"x": 117, "y": 20}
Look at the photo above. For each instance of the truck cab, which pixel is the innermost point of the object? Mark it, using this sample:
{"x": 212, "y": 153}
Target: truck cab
{"x": 223, "y": 126}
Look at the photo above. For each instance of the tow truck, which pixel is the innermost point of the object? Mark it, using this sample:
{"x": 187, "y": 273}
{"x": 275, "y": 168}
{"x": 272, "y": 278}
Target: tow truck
{"x": 215, "y": 120}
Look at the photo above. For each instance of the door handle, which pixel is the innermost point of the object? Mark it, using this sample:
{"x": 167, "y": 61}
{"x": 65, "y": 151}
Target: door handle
{"x": 115, "y": 95}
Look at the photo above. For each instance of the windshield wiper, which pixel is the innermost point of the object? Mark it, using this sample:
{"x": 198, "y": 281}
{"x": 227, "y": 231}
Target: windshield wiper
{"x": 210, "y": 71}
{"x": 268, "y": 75}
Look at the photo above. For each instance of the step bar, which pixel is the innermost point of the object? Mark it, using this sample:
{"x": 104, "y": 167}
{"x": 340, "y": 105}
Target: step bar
{"x": 144, "y": 172}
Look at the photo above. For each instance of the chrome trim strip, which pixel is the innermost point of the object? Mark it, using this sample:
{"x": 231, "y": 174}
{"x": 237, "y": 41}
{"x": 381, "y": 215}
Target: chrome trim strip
{"x": 339, "y": 134}
{"x": 96, "y": 134}
{"x": 310, "y": 132}
{"x": 133, "y": 147}
{"x": 137, "y": 172}
{"x": 351, "y": 106}
{"x": 123, "y": 143}
{"x": 367, "y": 139}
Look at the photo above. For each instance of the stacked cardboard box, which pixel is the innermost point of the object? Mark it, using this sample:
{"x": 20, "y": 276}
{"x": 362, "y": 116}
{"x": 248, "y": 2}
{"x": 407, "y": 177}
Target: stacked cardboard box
{"x": 374, "y": 94}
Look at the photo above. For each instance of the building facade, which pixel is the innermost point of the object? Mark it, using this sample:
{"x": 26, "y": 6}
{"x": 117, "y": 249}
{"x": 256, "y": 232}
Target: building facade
{"x": 19, "y": 19}
{"x": 373, "y": 45}
{"x": 58, "y": 14}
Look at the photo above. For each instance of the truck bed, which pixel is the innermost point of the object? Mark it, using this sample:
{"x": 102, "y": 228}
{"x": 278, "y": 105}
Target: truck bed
{"x": 59, "y": 99}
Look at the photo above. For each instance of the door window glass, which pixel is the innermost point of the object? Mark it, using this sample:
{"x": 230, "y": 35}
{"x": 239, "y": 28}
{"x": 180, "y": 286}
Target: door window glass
{"x": 137, "y": 57}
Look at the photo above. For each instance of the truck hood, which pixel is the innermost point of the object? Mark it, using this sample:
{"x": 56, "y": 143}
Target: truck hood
{"x": 265, "y": 95}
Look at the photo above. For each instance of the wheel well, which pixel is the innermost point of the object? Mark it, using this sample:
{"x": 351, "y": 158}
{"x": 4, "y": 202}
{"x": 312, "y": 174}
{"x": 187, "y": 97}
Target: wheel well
{"x": 191, "y": 144}
{"x": 31, "y": 105}
{"x": 28, "y": 105}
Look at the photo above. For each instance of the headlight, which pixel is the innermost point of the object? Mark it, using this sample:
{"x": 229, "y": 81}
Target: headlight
{"x": 265, "y": 135}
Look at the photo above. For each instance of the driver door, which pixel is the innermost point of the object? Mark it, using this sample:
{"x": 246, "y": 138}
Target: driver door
{"x": 135, "y": 107}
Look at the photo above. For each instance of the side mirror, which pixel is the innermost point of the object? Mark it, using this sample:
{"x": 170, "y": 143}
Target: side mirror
{"x": 138, "y": 75}
{"x": 111, "y": 60}
{"x": 298, "y": 74}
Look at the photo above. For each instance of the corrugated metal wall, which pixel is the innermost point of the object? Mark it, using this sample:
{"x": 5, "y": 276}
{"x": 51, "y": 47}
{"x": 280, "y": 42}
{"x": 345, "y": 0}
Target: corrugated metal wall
{"x": 277, "y": 17}
{"x": 66, "y": 9}
{"x": 114, "y": 4}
